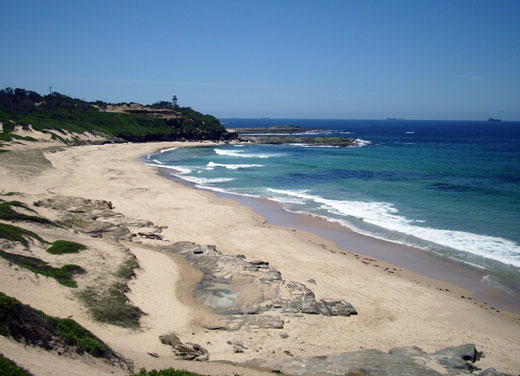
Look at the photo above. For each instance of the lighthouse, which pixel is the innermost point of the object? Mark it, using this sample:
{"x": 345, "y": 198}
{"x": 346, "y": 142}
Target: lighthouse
{"x": 174, "y": 100}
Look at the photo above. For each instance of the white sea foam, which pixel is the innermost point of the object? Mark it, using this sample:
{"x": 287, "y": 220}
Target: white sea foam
{"x": 492, "y": 282}
{"x": 385, "y": 216}
{"x": 222, "y": 190}
{"x": 156, "y": 161}
{"x": 232, "y": 166}
{"x": 202, "y": 181}
{"x": 165, "y": 150}
{"x": 360, "y": 142}
{"x": 240, "y": 153}
{"x": 313, "y": 146}
{"x": 180, "y": 169}
{"x": 148, "y": 156}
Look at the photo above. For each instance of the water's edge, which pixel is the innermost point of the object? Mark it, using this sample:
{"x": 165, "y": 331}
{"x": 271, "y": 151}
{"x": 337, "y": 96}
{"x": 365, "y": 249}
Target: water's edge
{"x": 410, "y": 258}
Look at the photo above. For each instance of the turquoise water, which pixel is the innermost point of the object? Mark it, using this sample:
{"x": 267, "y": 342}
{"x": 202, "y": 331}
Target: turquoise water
{"x": 451, "y": 188}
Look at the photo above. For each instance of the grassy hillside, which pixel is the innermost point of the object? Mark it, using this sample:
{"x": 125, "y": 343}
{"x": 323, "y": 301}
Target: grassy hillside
{"x": 60, "y": 112}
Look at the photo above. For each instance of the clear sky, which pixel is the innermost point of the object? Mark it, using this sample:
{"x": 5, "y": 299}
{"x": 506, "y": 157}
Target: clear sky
{"x": 417, "y": 59}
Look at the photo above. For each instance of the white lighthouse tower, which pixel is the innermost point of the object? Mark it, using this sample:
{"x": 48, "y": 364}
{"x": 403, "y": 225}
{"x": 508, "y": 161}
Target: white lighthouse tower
{"x": 174, "y": 100}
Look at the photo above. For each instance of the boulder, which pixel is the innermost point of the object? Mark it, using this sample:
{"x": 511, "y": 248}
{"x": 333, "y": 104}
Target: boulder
{"x": 170, "y": 339}
{"x": 191, "y": 351}
{"x": 339, "y": 307}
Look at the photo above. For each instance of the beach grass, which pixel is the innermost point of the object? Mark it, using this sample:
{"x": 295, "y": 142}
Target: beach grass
{"x": 30, "y": 326}
{"x": 10, "y": 368}
{"x": 60, "y": 247}
{"x": 7, "y": 213}
{"x": 25, "y": 163}
{"x": 111, "y": 305}
{"x": 64, "y": 275}
{"x": 18, "y": 234}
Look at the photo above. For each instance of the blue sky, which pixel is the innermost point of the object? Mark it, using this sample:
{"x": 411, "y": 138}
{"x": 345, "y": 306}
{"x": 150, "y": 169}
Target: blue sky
{"x": 417, "y": 59}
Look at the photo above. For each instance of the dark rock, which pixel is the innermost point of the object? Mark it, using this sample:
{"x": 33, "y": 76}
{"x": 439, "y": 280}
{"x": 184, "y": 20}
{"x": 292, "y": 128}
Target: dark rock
{"x": 398, "y": 361}
{"x": 150, "y": 235}
{"x": 322, "y": 308}
{"x": 284, "y": 335}
{"x": 153, "y": 355}
{"x": 260, "y": 264}
{"x": 191, "y": 351}
{"x": 219, "y": 290}
{"x": 339, "y": 307}
{"x": 465, "y": 352}
{"x": 407, "y": 351}
{"x": 170, "y": 339}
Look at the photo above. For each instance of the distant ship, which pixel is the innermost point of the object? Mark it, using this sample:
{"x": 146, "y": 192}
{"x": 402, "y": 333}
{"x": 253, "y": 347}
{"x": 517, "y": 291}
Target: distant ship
{"x": 393, "y": 119}
{"x": 493, "y": 119}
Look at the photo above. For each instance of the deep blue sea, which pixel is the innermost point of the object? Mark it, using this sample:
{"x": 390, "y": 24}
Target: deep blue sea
{"x": 448, "y": 187}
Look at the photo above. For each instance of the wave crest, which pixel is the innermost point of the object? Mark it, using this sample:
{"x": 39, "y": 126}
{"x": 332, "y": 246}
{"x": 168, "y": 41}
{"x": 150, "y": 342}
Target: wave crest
{"x": 232, "y": 166}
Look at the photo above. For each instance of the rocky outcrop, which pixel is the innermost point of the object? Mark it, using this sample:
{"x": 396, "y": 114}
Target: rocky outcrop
{"x": 314, "y": 141}
{"x": 252, "y": 293}
{"x": 397, "y": 362}
{"x": 98, "y": 219}
{"x": 185, "y": 351}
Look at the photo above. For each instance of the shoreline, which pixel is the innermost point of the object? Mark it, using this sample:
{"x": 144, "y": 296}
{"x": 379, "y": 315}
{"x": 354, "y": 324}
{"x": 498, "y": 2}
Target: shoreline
{"x": 456, "y": 274}
{"x": 394, "y": 309}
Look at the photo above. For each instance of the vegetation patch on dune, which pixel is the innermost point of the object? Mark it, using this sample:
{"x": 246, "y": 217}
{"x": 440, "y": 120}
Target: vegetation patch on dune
{"x": 165, "y": 372}
{"x": 27, "y": 162}
{"x": 60, "y": 247}
{"x": 7, "y": 213}
{"x": 33, "y": 327}
{"x": 10, "y": 368}
{"x": 111, "y": 305}
{"x": 18, "y": 234}
{"x": 64, "y": 275}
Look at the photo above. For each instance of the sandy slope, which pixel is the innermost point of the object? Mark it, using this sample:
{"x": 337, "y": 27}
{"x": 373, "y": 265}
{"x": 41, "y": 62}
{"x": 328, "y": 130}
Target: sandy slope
{"x": 394, "y": 310}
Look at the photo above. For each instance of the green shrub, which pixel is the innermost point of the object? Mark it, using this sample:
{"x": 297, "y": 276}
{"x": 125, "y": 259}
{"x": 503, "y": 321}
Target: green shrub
{"x": 33, "y": 327}
{"x": 8, "y": 214}
{"x": 17, "y": 234}
{"x": 10, "y": 368}
{"x": 63, "y": 275}
{"x": 60, "y": 247}
{"x": 76, "y": 335}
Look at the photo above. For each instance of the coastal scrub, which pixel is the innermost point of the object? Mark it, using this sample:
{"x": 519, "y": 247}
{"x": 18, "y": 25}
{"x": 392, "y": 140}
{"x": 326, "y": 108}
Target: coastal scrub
{"x": 63, "y": 275}
{"x": 18, "y": 234}
{"x": 60, "y": 247}
{"x": 33, "y": 327}
{"x": 9, "y": 214}
{"x": 10, "y": 368}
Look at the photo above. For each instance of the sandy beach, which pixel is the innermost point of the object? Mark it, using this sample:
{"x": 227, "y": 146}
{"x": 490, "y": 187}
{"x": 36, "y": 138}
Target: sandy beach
{"x": 396, "y": 307}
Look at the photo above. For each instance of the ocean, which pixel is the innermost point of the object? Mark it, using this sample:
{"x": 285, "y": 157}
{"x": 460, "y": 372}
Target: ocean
{"x": 448, "y": 187}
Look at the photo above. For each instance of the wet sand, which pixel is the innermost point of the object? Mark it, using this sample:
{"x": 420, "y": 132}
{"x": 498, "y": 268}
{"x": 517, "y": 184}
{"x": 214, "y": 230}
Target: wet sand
{"x": 413, "y": 259}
